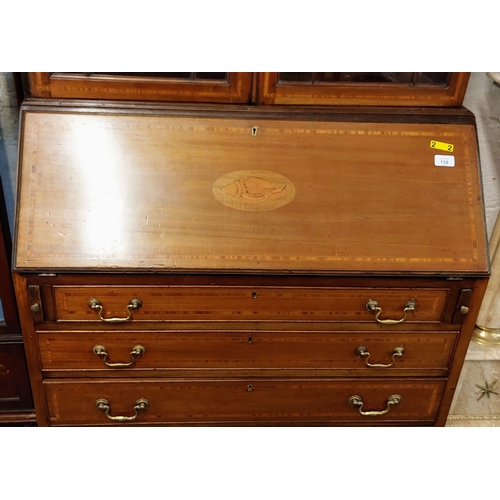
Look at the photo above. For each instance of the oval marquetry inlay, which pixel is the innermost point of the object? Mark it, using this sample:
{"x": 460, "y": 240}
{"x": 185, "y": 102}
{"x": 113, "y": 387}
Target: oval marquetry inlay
{"x": 253, "y": 190}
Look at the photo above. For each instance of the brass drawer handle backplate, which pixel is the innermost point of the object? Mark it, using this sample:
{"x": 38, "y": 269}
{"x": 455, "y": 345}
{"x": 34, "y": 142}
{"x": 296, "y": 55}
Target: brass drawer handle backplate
{"x": 140, "y": 405}
{"x": 95, "y": 305}
{"x": 372, "y": 306}
{"x": 362, "y": 351}
{"x": 138, "y": 350}
{"x": 357, "y": 401}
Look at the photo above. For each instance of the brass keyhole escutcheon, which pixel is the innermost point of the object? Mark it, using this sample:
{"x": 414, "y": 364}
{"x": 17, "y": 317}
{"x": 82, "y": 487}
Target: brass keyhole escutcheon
{"x": 254, "y": 131}
{"x": 254, "y": 295}
{"x": 250, "y": 340}
{"x": 249, "y": 388}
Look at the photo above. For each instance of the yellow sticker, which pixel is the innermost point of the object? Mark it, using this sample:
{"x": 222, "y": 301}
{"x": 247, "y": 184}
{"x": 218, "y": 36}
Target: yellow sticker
{"x": 442, "y": 145}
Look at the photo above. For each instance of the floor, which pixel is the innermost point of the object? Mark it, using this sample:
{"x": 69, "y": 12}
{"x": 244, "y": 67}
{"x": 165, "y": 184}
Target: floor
{"x": 477, "y": 399}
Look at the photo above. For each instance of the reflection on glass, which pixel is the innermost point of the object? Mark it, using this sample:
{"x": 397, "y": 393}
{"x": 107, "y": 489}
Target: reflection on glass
{"x": 8, "y": 142}
{"x": 2, "y": 320}
{"x": 149, "y": 75}
{"x": 408, "y": 78}
{"x": 188, "y": 76}
{"x": 211, "y": 76}
{"x": 365, "y": 77}
{"x": 433, "y": 78}
{"x": 295, "y": 77}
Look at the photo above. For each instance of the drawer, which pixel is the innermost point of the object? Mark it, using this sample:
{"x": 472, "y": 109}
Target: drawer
{"x": 191, "y": 401}
{"x": 115, "y": 304}
{"x": 15, "y": 392}
{"x": 197, "y": 351}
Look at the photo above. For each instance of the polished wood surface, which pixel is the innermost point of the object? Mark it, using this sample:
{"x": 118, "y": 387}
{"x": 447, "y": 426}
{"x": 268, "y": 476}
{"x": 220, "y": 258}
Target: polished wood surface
{"x": 257, "y": 303}
{"x": 479, "y": 289}
{"x": 61, "y": 350}
{"x": 131, "y": 192}
{"x": 271, "y": 91}
{"x": 176, "y": 352}
{"x": 293, "y": 401}
{"x": 62, "y": 85}
{"x": 245, "y": 88}
{"x": 254, "y": 241}
{"x": 15, "y": 393}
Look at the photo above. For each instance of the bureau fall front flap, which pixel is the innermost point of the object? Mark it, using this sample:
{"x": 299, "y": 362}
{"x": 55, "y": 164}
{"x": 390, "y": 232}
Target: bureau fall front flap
{"x": 127, "y": 190}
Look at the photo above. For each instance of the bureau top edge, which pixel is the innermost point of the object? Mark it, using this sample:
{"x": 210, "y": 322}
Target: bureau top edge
{"x": 368, "y": 114}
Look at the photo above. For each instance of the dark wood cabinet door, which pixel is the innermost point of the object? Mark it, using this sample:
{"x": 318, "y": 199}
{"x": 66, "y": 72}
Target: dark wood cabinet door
{"x": 213, "y": 87}
{"x": 369, "y": 89}
{"x": 16, "y": 404}
{"x": 9, "y": 321}
{"x": 15, "y": 393}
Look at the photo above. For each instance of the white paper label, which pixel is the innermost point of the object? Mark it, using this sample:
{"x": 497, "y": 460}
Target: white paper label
{"x": 444, "y": 160}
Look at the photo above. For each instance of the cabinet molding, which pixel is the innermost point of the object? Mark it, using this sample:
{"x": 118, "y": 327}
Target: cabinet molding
{"x": 367, "y": 94}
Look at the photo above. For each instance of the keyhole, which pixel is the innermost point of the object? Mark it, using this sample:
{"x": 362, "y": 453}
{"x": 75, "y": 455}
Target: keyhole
{"x": 249, "y": 388}
{"x": 250, "y": 340}
{"x": 254, "y": 295}
{"x": 254, "y": 131}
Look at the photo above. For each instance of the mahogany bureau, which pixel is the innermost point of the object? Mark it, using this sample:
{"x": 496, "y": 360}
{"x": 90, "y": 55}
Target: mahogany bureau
{"x": 199, "y": 266}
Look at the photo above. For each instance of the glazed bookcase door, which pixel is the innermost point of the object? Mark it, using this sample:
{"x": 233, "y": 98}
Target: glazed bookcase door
{"x": 369, "y": 89}
{"x": 214, "y": 87}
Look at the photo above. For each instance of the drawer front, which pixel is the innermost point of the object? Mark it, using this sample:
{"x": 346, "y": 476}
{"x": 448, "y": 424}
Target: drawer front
{"x": 15, "y": 392}
{"x": 238, "y": 401}
{"x": 174, "y": 351}
{"x": 216, "y": 303}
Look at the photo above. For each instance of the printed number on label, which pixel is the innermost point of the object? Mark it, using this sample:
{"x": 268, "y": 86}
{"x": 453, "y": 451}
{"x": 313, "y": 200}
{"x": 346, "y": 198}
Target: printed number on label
{"x": 442, "y": 145}
{"x": 444, "y": 161}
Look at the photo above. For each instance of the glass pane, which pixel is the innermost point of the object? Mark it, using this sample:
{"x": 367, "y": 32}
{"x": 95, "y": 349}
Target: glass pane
{"x": 8, "y": 141}
{"x": 2, "y": 320}
{"x": 295, "y": 77}
{"x": 433, "y": 78}
{"x": 190, "y": 76}
{"x": 365, "y": 77}
{"x": 211, "y": 76}
{"x": 183, "y": 76}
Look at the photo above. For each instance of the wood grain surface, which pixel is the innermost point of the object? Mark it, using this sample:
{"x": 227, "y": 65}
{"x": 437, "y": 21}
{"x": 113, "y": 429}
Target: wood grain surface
{"x": 237, "y": 303}
{"x": 225, "y": 401}
{"x": 117, "y": 191}
{"x": 174, "y": 352}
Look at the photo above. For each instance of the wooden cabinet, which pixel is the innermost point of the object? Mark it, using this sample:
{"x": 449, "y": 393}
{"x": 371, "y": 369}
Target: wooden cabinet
{"x": 179, "y": 87}
{"x": 367, "y": 89}
{"x": 222, "y": 266}
{"x": 16, "y": 405}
